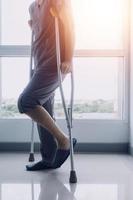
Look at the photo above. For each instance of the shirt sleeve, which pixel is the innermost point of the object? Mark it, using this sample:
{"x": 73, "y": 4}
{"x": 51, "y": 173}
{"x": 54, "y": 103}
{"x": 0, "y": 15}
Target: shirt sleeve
{"x": 31, "y": 10}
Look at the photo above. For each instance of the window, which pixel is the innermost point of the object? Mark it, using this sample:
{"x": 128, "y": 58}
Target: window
{"x": 14, "y": 22}
{"x": 100, "y": 62}
{"x": 97, "y": 82}
{"x": 99, "y": 24}
{"x": 15, "y": 76}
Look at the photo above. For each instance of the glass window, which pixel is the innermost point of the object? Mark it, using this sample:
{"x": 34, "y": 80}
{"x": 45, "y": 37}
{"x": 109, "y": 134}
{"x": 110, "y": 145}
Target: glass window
{"x": 14, "y": 16}
{"x": 99, "y": 81}
{"x": 97, "y": 84}
{"x": 99, "y": 24}
{"x": 15, "y": 76}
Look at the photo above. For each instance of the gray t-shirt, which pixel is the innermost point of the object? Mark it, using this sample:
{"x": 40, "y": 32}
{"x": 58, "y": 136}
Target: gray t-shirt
{"x": 44, "y": 46}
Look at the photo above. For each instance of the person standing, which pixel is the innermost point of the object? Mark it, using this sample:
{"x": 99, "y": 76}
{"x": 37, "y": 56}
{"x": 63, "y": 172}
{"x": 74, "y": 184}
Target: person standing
{"x": 37, "y": 98}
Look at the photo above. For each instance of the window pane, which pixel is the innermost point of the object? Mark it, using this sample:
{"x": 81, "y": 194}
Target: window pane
{"x": 15, "y": 76}
{"x": 97, "y": 84}
{"x": 99, "y": 24}
{"x": 14, "y": 21}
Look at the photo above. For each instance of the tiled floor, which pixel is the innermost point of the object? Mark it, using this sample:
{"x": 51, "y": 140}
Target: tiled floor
{"x": 100, "y": 177}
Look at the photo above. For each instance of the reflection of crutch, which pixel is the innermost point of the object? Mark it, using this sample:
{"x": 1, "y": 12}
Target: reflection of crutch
{"x": 67, "y": 111}
{"x": 31, "y": 156}
{"x": 32, "y": 190}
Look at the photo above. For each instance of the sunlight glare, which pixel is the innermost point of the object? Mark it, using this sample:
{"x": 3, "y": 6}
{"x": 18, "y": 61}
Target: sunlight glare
{"x": 101, "y": 23}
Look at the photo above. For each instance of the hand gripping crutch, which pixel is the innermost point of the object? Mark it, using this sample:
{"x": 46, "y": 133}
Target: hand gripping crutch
{"x": 68, "y": 112}
{"x": 31, "y": 155}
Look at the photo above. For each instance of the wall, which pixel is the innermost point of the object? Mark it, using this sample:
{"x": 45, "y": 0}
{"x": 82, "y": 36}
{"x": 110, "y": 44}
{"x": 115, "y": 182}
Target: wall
{"x": 131, "y": 80}
{"x": 87, "y": 132}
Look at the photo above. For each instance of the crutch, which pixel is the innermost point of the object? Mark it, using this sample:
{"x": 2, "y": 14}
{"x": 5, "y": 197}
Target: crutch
{"x": 31, "y": 155}
{"x": 68, "y": 111}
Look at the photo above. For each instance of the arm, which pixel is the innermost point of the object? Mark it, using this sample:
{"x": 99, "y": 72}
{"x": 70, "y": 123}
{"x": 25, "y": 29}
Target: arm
{"x": 64, "y": 12}
{"x": 65, "y": 16}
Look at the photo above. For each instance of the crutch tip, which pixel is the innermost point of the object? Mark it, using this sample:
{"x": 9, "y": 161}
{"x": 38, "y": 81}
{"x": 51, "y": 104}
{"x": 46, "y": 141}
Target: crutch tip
{"x": 31, "y": 157}
{"x": 73, "y": 177}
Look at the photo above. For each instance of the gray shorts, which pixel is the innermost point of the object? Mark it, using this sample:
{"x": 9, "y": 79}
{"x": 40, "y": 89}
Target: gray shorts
{"x": 38, "y": 91}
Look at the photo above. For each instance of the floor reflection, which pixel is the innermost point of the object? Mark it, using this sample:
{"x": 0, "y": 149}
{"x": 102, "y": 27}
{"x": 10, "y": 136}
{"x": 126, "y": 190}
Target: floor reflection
{"x": 100, "y": 177}
{"x": 51, "y": 188}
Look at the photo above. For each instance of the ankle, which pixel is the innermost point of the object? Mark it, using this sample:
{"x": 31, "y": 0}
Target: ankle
{"x": 64, "y": 143}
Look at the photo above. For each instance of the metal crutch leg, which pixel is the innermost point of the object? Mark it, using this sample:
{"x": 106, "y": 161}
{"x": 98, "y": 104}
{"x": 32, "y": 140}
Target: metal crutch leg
{"x": 68, "y": 113}
{"x": 31, "y": 155}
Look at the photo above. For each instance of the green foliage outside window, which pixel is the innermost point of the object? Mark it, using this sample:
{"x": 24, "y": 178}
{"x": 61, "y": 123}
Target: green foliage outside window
{"x": 9, "y": 108}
